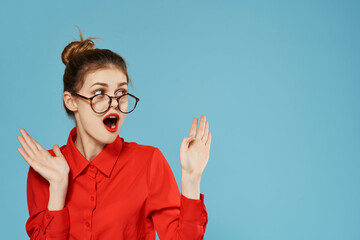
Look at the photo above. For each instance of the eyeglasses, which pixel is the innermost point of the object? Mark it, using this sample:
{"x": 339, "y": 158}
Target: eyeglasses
{"x": 100, "y": 103}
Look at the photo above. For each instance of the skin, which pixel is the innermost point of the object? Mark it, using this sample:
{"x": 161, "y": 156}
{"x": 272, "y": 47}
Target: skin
{"x": 92, "y": 137}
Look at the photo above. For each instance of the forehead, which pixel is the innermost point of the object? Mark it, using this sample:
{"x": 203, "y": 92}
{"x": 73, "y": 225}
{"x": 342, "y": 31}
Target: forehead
{"x": 111, "y": 76}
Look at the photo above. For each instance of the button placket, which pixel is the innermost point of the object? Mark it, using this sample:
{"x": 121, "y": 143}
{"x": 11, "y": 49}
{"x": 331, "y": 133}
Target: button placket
{"x": 92, "y": 196}
{"x": 91, "y": 173}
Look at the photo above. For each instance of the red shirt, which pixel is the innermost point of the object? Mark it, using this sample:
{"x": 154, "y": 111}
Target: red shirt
{"x": 126, "y": 192}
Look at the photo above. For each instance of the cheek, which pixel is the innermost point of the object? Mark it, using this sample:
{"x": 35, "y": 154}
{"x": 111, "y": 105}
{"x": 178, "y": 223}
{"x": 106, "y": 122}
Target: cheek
{"x": 122, "y": 118}
{"x": 88, "y": 116}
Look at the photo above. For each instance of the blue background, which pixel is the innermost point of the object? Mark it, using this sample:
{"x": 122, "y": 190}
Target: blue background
{"x": 277, "y": 80}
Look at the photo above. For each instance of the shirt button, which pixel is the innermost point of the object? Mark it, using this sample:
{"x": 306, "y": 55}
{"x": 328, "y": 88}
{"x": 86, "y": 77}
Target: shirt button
{"x": 87, "y": 224}
{"x": 91, "y": 167}
{"x": 48, "y": 215}
{"x": 92, "y": 198}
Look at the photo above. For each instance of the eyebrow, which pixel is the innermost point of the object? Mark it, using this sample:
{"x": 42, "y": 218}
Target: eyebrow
{"x": 104, "y": 84}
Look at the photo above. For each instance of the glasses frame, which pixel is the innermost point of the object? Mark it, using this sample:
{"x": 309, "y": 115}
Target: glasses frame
{"x": 110, "y": 101}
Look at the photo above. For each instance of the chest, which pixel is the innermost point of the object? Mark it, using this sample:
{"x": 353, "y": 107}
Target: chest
{"x": 118, "y": 200}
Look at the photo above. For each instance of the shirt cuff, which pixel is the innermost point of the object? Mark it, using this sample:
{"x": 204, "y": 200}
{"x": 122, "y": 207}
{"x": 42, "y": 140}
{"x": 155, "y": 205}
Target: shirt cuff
{"x": 193, "y": 210}
{"x": 56, "y": 223}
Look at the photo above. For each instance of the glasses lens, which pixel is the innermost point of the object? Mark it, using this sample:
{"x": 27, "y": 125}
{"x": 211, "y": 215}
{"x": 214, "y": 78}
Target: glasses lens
{"x": 127, "y": 103}
{"x": 100, "y": 103}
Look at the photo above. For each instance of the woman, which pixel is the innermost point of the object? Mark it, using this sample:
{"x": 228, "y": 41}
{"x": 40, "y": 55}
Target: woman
{"x": 99, "y": 186}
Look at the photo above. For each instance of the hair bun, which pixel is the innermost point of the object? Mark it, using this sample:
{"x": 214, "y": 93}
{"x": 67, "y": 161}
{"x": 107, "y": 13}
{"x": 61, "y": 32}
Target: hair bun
{"x": 77, "y": 47}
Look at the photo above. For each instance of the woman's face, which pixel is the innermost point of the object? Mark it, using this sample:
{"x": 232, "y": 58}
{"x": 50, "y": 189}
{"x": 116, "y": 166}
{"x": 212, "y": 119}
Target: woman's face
{"x": 111, "y": 81}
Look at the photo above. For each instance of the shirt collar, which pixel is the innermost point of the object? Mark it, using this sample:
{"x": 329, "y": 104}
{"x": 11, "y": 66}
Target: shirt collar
{"x": 104, "y": 161}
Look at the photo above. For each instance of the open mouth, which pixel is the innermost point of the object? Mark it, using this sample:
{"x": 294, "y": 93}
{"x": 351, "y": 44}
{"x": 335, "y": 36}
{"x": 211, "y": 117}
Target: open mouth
{"x": 111, "y": 122}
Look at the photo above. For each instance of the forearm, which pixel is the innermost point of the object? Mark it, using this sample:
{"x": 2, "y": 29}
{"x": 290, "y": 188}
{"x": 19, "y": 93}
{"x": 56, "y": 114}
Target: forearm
{"x": 57, "y": 196}
{"x": 190, "y": 185}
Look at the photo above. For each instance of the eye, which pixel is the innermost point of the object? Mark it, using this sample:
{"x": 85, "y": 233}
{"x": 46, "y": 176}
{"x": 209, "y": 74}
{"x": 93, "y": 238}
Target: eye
{"x": 99, "y": 91}
{"x": 122, "y": 92}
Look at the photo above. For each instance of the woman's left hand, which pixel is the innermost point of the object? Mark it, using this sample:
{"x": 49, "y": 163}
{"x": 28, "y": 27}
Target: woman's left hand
{"x": 194, "y": 150}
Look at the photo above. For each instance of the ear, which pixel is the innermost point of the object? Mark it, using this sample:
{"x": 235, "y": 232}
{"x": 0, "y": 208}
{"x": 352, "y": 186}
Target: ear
{"x": 69, "y": 101}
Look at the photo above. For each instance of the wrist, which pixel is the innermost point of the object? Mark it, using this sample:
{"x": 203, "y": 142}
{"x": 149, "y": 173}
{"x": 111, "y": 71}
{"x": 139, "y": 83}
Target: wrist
{"x": 58, "y": 186}
{"x": 190, "y": 185}
{"x": 190, "y": 177}
{"x": 57, "y": 196}
{"x": 59, "y": 183}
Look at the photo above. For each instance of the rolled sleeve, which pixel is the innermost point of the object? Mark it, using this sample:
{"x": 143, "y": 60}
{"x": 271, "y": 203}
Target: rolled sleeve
{"x": 55, "y": 224}
{"x": 193, "y": 210}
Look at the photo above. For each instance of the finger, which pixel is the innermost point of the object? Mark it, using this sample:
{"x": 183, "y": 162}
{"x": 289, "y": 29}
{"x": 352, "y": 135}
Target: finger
{"x": 27, "y": 138}
{"x": 28, "y": 159}
{"x": 208, "y": 142}
{"x": 201, "y": 128}
{"x": 186, "y": 141}
{"x": 193, "y": 127}
{"x": 32, "y": 163}
{"x": 26, "y": 147}
{"x": 25, "y": 155}
{"x": 37, "y": 144}
{"x": 57, "y": 151}
{"x": 205, "y": 137}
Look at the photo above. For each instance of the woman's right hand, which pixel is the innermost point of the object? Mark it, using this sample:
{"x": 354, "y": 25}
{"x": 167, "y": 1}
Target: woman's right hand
{"x": 54, "y": 169}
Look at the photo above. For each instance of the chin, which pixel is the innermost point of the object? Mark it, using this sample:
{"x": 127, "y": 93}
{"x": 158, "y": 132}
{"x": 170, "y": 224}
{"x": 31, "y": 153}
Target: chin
{"x": 110, "y": 138}
{"x": 105, "y": 136}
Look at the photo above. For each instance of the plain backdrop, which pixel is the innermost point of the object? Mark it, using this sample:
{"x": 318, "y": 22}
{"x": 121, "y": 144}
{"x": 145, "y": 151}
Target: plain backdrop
{"x": 277, "y": 80}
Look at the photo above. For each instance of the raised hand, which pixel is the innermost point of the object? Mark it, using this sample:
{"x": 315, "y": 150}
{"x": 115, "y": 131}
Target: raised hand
{"x": 194, "y": 150}
{"x": 54, "y": 169}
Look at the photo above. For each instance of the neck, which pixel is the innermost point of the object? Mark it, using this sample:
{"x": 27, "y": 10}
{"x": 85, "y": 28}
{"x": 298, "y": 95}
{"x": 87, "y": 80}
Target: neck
{"x": 87, "y": 145}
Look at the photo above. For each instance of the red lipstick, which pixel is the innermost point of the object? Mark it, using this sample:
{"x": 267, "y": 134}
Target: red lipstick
{"x": 108, "y": 123}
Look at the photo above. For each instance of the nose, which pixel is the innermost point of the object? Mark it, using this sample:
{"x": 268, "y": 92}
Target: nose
{"x": 113, "y": 102}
